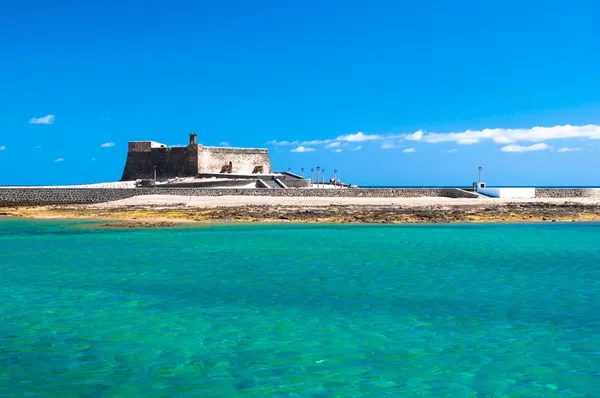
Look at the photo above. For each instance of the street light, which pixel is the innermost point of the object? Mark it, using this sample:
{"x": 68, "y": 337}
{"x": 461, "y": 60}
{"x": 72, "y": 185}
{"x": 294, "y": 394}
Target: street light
{"x": 318, "y": 169}
{"x": 289, "y": 169}
{"x": 312, "y": 176}
{"x": 480, "y": 169}
{"x": 302, "y": 170}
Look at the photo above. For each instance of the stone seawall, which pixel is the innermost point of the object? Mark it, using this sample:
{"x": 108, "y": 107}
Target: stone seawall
{"x": 57, "y": 196}
{"x": 567, "y": 192}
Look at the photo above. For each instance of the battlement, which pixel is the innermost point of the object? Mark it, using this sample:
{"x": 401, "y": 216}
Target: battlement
{"x": 144, "y": 146}
{"x": 228, "y": 149}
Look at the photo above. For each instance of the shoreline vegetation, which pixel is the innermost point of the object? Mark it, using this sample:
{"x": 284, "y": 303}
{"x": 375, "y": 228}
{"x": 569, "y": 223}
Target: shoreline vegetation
{"x": 160, "y": 212}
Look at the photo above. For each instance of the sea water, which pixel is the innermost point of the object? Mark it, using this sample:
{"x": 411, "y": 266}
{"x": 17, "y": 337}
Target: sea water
{"x": 300, "y": 311}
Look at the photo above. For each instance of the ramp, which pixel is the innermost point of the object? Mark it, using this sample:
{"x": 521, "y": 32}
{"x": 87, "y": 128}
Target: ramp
{"x": 269, "y": 184}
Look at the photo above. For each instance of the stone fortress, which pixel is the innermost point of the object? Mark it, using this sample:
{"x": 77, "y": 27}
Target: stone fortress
{"x": 193, "y": 160}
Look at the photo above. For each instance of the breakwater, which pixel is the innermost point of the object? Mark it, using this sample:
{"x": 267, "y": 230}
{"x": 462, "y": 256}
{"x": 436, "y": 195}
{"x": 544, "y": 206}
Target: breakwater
{"x": 40, "y": 196}
{"x": 567, "y": 192}
{"x": 57, "y": 196}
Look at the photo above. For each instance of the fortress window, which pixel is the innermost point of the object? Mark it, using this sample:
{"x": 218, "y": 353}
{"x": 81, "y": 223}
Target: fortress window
{"x": 228, "y": 168}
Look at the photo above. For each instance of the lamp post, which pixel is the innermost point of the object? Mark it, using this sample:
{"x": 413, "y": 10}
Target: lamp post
{"x": 302, "y": 170}
{"x": 289, "y": 169}
{"x": 335, "y": 177}
{"x": 318, "y": 170}
{"x": 312, "y": 176}
{"x": 480, "y": 169}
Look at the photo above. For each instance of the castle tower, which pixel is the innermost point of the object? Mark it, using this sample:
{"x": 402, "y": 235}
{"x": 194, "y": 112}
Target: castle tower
{"x": 193, "y": 139}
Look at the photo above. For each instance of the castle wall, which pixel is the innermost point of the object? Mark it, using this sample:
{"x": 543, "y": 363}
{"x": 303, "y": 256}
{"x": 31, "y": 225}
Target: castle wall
{"x": 144, "y": 146}
{"x": 137, "y": 165}
{"x": 169, "y": 162}
{"x": 139, "y": 146}
{"x": 191, "y": 160}
{"x": 243, "y": 160}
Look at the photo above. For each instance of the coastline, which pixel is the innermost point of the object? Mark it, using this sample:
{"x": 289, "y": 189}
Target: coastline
{"x": 166, "y": 211}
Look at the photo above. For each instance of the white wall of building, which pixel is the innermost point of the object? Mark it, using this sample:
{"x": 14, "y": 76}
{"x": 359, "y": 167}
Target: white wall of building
{"x": 243, "y": 160}
{"x": 508, "y": 192}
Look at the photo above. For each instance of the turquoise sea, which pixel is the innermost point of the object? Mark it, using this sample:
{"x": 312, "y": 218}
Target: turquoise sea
{"x": 300, "y": 311}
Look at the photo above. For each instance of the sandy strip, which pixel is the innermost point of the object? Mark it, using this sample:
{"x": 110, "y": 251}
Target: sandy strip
{"x": 165, "y": 210}
{"x": 237, "y": 201}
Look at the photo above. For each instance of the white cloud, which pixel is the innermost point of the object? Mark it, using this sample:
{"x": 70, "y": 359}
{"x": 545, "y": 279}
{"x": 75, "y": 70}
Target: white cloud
{"x": 387, "y": 145}
{"x": 302, "y": 149}
{"x": 519, "y": 148}
{"x": 358, "y": 148}
{"x": 506, "y": 136}
{"x": 468, "y": 141}
{"x": 338, "y": 150}
{"x": 467, "y": 137}
{"x": 358, "y": 137}
{"x": 282, "y": 143}
{"x": 416, "y": 136}
{"x": 569, "y": 149}
{"x": 48, "y": 119}
{"x": 2, "y": 148}
{"x": 450, "y": 150}
{"x": 37, "y": 147}
{"x": 107, "y": 145}
{"x": 410, "y": 150}
{"x": 316, "y": 142}
{"x": 333, "y": 144}
{"x": 293, "y": 143}
{"x": 60, "y": 160}
{"x": 93, "y": 159}
{"x": 503, "y": 140}
{"x": 224, "y": 143}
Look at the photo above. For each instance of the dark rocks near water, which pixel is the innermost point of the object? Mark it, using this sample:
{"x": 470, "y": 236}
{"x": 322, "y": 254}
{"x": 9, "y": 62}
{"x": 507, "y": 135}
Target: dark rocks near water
{"x": 129, "y": 225}
{"x": 431, "y": 214}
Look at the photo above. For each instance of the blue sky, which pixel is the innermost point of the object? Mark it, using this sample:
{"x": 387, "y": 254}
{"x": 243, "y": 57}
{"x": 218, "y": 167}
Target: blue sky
{"x": 402, "y": 92}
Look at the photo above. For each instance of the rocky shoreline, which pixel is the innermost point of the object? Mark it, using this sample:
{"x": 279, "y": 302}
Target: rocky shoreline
{"x": 165, "y": 216}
